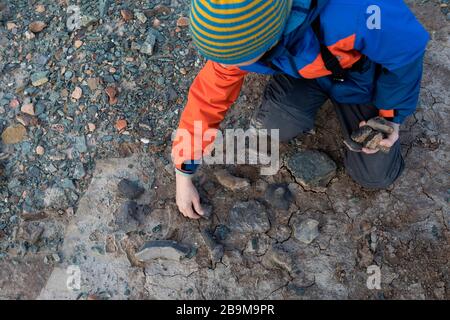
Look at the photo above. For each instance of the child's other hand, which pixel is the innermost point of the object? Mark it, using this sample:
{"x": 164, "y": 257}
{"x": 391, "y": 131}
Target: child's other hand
{"x": 188, "y": 200}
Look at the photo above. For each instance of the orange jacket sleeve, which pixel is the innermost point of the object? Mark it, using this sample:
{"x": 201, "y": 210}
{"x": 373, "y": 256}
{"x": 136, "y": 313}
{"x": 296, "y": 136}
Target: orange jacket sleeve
{"x": 212, "y": 93}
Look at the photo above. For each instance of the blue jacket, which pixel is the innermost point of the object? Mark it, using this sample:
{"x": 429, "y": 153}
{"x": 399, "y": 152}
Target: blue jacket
{"x": 385, "y": 31}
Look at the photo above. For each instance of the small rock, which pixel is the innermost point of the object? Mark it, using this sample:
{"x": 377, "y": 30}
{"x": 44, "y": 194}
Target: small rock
{"x": 77, "y": 93}
{"x": 127, "y": 15}
{"x": 183, "y": 22}
{"x": 93, "y": 83}
{"x": 373, "y": 141}
{"x": 14, "y": 134}
{"x": 279, "y": 196}
{"x": 216, "y": 250}
{"x": 26, "y": 119}
{"x": 40, "y": 150}
{"x": 39, "y": 78}
{"x": 278, "y": 257}
{"x": 231, "y": 182}
{"x": 149, "y": 45}
{"x": 77, "y": 44}
{"x": 130, "y": 189}
{"x": 380, "y": 124}
{"x": 29, "y": 35}
{"x": 91, "y": 127}
{"x": 10, "y": 26}
{"x": 30, "y": 232}
{"x": 141, "y": 17}
{"x": 121, "y": 125}
{"x": 37, "y": 26}
{"x": 306, "y": 231}
{"x": 40, "y": 8}
{"x": 28, "y": 109}
{"x": 162, "y": 249}
{"x": 208, "y": 211}
{"x": 111, "y": 92}
{"x": 249, "y": 217}
{"x": 312, "y": 169}
{"x": 361, "y": 134}
{"x": 14, "y": 103}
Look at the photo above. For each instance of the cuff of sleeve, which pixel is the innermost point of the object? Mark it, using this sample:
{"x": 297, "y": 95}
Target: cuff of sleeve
{"x": 188, "y": 167}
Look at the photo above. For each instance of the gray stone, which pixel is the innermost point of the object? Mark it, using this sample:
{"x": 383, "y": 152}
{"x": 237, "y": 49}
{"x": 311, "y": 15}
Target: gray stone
{"x": 148, "y": 46}
{"x": 312, "y": 169}
{"x": 39, "y": 78}
{"x": 130, "y": 189}
{"x": 216, "y": 250}
{"x": 30, "y": 232}
{"x": 163, "y": 249}
{"x": 306, "y": 231}
{"x": 249, "y": 217}
{"x": 278, "y": 196}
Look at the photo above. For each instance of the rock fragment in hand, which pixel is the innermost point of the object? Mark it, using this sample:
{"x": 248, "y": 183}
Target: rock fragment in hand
{"x": 162, "y": 249}
{"x": 361, "y": 134}
{"x": 373, "y": 141}
{"x": 380, "y": 124}
{"x": 231, "y": 182}
{"x": 130, "y": 189}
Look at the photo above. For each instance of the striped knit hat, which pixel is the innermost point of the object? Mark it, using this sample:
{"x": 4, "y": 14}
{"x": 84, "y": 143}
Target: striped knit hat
{"x": 237, "y": 31}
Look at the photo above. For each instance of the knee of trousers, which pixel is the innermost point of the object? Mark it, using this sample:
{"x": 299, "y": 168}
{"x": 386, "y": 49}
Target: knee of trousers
{"x": 373, "y": 175}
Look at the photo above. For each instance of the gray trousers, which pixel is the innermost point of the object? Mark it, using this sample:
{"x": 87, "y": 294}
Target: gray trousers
{"x": 291, "y": 105}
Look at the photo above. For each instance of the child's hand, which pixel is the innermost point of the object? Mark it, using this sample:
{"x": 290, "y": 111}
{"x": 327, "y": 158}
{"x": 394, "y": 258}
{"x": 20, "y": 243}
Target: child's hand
{"x": 388, "y": 142}
{"x": 188, "y": 200}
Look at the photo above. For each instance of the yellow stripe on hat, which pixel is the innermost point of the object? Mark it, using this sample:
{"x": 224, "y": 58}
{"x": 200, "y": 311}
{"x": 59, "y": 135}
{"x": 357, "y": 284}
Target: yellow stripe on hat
{"x": 205, "y": 14}
{"x": 234, "y": 43}
{"x": 271, "y": 11}
{"x": 242, "y": 50}
{"x": 231, "y": 11}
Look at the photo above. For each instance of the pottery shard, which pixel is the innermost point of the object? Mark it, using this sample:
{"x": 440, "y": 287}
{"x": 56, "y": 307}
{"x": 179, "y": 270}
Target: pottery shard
{"x": 362, "y": 134}
{"x": 14, "y": 134}
{"x": 163, "y": 249}
{"x": 216, "y": 250}
{"x": 380, "y": 124}
{"x": 37, "y": 26}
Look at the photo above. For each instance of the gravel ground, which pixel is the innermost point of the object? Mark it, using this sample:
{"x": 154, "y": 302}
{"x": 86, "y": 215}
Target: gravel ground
{"x": 82, "y": 85}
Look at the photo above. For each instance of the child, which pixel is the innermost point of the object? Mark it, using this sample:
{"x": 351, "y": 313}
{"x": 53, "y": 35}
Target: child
{"x": 365, "y": 56}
